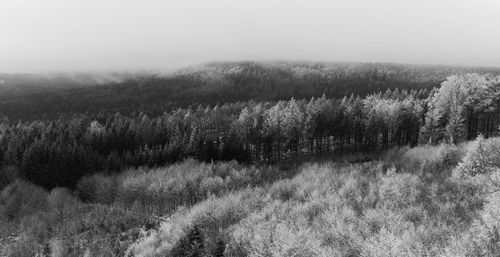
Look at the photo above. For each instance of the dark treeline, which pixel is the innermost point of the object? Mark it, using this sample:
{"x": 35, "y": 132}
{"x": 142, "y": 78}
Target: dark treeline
{"x": 59, "y": 152}
{"x": 215, "y": 83}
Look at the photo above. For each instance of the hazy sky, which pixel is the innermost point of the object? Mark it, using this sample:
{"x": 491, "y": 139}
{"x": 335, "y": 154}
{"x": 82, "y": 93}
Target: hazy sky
{"x": 83, "y": 35}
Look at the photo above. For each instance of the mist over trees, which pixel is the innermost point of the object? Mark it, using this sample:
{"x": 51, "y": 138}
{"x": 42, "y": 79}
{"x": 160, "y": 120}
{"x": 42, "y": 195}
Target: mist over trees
{"x": 48, "y": 97}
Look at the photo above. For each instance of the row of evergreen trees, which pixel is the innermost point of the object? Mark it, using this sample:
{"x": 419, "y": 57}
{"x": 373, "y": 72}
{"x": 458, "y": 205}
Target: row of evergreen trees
{"x": 59, "y": 152}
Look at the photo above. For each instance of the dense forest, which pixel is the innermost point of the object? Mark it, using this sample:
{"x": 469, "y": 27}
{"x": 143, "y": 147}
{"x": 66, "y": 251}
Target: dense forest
{"x": 57, "y": 153}
{"x": 423, "y": 201}
{"x": 205, "y": 162}
{"x": 36, "y": 97}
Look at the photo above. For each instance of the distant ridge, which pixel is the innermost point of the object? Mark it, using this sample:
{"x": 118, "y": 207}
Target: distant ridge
{"x": 34, "y": 95}
{"x": 18, "y": 81}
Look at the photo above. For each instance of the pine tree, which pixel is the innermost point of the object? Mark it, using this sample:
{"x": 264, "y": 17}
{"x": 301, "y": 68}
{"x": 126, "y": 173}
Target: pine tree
{"x": 146, "y": 130}
{"x": 292, "y": 124}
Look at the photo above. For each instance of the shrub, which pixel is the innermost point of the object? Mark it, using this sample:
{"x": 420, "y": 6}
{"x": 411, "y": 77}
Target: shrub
{"x": 454, "y": 201}
{"x": 97, "y": 188}
{"x": 20, "y": 199}
{"x": 483, "y": 237}
{"x": 160, "y": 191}
{"x": 23, "y": 247}
{"x": 359, "y": 192}
{"x": 425, "y": 159}
{"x": 399, "y": 191}
{"x": 36, "y": 227}
{"x": 283, "y": 190}
{"x": 8, "y": 175}
{"x": 482, "y": 157}
{"x": 213, "y": 185}
{"x": 388, "y": 244}
{"x": 206, "y": 220}
{"x": 284, "y": 234}
{"x": 99, "y": 230}
{"x": 63, "y": 207}
{"x": 57, "y": 248}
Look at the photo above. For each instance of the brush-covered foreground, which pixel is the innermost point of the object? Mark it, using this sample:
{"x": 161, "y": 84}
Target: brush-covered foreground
{"x": 423, "y": 201}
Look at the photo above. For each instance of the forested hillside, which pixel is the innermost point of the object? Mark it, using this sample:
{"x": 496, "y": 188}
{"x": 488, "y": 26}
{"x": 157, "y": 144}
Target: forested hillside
{"x": 26, "y": 83}
{"x": 225, "y": 179}
{"x": 35, "y": 97}
{"x": 423, "y": 201}
{"x": 59, "y": 152}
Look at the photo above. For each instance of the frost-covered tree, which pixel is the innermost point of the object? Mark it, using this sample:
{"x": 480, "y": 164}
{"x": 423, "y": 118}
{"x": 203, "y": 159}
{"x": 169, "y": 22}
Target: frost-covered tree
{"x": 447, "y": 118}
{"x": 273, "y": 129}
{"x": 293, "y": 122}
{"x": 482, "y": 157}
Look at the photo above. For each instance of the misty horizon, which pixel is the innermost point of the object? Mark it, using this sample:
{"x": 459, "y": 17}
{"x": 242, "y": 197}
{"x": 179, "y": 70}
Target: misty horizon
{"x": 159, "y": 36}
{"x": 194, "y": 66}
{"x": 200, "y": 65}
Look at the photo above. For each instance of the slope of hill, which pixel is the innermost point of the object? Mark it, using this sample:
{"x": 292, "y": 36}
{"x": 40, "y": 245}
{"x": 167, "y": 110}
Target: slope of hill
{"x": 25, "y": 82}
{"x": 422, "y": 201}
{"x": 30, "y": 96}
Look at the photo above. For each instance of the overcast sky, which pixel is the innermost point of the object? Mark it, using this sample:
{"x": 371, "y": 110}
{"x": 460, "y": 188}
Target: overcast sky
{"x": 97, "y": 35}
